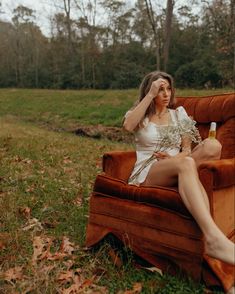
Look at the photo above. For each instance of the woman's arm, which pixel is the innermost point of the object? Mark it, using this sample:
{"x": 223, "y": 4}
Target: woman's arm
{"x": 134, "y": 116}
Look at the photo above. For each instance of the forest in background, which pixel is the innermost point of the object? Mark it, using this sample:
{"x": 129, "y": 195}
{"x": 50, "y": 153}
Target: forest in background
{"x": 117, "y": 50}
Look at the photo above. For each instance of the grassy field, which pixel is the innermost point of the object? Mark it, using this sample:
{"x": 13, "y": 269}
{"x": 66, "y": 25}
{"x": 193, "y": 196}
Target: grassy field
{"x": 67, "y": 109}
{"x": 46, "y": 178}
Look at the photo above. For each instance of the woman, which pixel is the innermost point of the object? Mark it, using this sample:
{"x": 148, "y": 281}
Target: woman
{"x": 164, "y": 156}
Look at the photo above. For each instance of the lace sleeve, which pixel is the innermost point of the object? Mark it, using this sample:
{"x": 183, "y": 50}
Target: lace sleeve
{"x": 187, "y": 126}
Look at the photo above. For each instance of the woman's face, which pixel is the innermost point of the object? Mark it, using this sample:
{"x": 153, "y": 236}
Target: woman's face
{"x": 164, "y": 94}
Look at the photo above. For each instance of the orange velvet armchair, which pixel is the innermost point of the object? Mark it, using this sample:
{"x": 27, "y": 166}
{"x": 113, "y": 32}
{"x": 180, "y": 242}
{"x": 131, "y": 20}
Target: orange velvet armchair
{"x": 153, "y": 221}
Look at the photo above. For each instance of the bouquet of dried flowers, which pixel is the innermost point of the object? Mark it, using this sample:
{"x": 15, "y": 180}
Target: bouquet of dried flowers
{"x": 169, "y": 138}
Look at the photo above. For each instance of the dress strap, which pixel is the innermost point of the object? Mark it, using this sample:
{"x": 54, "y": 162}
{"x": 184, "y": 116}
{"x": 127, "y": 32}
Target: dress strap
{"x": 174, "y": 116}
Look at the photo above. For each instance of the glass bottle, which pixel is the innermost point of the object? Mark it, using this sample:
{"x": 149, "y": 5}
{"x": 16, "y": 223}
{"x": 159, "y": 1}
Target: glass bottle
{"x": 212, "y": 131}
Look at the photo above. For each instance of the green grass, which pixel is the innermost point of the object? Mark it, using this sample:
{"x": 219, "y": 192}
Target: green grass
{"x": 48, "y": 176}
{"x": 67, "y": 109}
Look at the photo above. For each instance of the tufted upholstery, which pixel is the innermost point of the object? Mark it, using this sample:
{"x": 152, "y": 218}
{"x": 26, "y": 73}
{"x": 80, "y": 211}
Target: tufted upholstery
{"x": 218, "y": 108}
{"x": 153, "y": 221}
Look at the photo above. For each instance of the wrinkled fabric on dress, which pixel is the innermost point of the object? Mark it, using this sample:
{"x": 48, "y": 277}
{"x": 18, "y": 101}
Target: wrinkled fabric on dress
{"x": 165, "y": 138}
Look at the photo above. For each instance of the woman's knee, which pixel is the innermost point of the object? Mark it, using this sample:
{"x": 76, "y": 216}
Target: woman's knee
{"x": 187, "y": 164}
{"x": 212, "y": 148}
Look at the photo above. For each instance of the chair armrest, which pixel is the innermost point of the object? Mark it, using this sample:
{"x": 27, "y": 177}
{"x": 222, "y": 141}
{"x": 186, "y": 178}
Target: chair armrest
{"x": 219, "y": 173}
{"x": 119, "y": 164}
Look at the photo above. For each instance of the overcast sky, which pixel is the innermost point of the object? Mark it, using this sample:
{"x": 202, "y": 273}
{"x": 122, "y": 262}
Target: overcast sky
{"x": 43, "y": 10}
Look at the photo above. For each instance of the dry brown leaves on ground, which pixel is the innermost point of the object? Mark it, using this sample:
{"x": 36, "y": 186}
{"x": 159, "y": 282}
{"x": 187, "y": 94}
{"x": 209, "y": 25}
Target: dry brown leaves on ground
{"x": 49, "y": 267}
{"x": 4, "y": 238}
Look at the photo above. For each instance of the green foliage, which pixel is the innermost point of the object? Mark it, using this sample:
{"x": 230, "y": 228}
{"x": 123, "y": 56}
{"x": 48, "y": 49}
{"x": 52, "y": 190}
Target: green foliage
{"x": 199, "y": 73}
{"x": 118, "y": 52}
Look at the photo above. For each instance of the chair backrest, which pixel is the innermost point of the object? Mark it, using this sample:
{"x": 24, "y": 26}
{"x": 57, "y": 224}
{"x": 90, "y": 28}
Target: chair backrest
{"x": 217, "y": 108}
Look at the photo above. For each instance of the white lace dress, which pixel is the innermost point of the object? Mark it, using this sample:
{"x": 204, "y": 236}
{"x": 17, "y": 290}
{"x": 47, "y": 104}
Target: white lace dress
{"x": 152, "y": 137}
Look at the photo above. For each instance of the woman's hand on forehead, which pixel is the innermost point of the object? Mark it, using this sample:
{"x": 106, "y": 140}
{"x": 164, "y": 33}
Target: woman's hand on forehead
{"x": 156, "y": 86}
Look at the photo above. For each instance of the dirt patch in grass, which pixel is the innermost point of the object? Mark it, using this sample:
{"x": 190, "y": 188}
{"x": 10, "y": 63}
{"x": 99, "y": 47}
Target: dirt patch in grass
{"x": 104, "y": 132}
{"x": 114, "y": 134}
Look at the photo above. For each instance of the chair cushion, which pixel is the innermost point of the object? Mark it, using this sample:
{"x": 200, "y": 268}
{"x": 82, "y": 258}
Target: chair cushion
{"x": 218, "y": 108}
{"x": 166, "y": 198}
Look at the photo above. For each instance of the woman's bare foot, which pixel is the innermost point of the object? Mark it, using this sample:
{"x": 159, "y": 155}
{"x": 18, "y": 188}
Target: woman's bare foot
{"x": 221, "y": 248}
{"x": 231, "y": 291}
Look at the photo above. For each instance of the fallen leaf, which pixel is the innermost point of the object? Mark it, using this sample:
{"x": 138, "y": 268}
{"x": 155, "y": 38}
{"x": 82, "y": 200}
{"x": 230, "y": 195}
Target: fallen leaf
{"x": 65, "y": 277}
{"x": 30, "y": 189}
{"x": 38, "y": 245}
{"x": 87, "y": 283}
{"x": 4, "y": 239}
{"x": 153, "y": 269}
{"x": 69, "y": 263}
{"x": 25, "y": 212}
{"x": 98, "y": 163}
{"x": 46, "y": 269}
{"x": 56, "y": 256}
{"x": 41, "y": 247}
{"x": 80, "y": 285}
{"x": 13, "y": 274}
{"x": 42, "y": 250}
{"x": 67, "y": 246}
{"x": 68, "y": 170}
{"x": 78, "y": 201}
{"x": 27, "y": 160}
{"x": 115, "y": 258}
{"x": 67, "y": 160}
{"x": 17, "y": 158}
{"x": 73, "y": 289}
{"x": 34, "y": 224}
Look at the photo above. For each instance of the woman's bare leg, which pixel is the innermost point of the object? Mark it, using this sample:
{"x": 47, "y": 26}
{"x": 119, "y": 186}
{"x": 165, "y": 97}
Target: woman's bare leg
{"x": 210, "y": 149}
{"x": 165, "y": 173}
{"x": 231, "y": 290}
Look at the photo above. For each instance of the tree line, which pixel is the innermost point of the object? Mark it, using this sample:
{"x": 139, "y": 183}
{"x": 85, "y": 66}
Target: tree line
{"x": 112, "y": 44}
